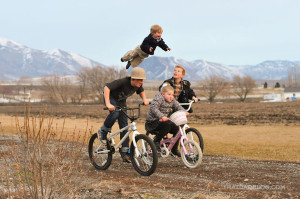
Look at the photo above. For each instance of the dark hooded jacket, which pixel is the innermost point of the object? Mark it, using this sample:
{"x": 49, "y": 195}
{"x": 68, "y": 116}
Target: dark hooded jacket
{"x": 186, "y": 94}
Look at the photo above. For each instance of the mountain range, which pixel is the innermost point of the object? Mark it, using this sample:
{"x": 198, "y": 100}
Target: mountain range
{"x": 17, "y": 60}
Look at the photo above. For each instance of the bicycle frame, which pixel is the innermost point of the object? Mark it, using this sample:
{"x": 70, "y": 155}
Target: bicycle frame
{"x": 131, "y": 128}
{"x": 180, "y": 134}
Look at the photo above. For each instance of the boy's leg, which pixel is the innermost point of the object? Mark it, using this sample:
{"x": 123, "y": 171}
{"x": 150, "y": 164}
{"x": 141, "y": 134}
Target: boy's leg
{"x": 110, "y": 119}
{"x": 123, "y": 121}
{"x": 124, "y": 151}
{"x": 131, "y": 54}
{"x": 174, "y": 130}
{"x": 163, "y": 129}
{"x": 139, "y": 58}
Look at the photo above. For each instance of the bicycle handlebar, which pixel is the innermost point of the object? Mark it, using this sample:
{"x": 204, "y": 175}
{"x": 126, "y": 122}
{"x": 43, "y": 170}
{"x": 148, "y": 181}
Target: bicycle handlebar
{"x": 189, "y": 104}
{"x": 132, "y": 118}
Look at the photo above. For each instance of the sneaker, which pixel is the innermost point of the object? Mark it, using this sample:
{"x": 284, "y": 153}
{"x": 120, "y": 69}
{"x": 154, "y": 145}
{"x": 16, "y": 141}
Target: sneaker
{"x": 157, "y": 145}
{"x": 125, "y": 154}
{"x": 128, "y": 64}
{"x": 102, "y": 135}
{"x": 122, "y": 60}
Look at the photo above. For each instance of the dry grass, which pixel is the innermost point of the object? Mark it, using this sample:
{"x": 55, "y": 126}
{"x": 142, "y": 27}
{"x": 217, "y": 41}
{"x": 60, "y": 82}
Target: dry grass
{"x": 280, "y": 143}
{"x": 253, "y": 142}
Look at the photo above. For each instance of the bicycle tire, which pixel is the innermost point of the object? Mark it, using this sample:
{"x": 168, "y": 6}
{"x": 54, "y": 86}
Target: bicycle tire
{"x": 197, "y": 137}
{"x": 99, "y": 161}
{"x": 146, "y": 163}
{"x": 193, "y": 158}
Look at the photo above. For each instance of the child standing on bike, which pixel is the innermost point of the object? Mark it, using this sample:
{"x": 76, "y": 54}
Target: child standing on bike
{"x": 183, "y": 91}
{"x": 157, "y": 121}
{"x": 136, "y": 56}
{"x": 115, "y": 94}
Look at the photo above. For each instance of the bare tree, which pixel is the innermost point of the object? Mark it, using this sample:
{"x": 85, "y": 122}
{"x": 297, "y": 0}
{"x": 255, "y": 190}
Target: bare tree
{"x": 213, "y": 86}
{"x": 83, "y": 79}
{"x": 293, "y": 79}
{"x": 99, "y": 76}
{"x": 243, "y": 86}
{"x": 58, "y": 88}
{"x": 91, "y": 82}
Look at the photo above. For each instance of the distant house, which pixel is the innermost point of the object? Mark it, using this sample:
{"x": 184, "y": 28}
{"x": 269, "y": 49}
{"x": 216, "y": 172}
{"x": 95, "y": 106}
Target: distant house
{"x": 292, "y": 93}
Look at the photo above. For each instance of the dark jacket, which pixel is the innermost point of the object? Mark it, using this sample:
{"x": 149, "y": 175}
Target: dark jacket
{"x": 149, "y": 41}
{"x": 186, "y": 94}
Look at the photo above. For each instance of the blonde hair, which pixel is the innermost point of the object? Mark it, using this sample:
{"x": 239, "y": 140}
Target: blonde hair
{"x": 183, "y": 70}
{"x": 167, "y": 88}
{"x": 156, "y": 28}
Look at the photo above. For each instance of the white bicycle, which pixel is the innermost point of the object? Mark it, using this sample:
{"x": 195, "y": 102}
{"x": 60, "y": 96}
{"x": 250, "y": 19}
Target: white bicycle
{"x": 143, "y": 153}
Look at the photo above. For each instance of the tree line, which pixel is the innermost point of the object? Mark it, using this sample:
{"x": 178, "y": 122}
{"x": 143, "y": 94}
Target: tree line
{"x": 87, "y": 86}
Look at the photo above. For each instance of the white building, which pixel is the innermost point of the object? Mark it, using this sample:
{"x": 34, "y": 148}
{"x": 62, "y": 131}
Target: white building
{"x": 292, "y": 93}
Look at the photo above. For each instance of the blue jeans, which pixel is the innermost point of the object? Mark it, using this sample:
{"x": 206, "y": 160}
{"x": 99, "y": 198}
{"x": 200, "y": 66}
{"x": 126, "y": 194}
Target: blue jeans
{"x": 122, "y": 120}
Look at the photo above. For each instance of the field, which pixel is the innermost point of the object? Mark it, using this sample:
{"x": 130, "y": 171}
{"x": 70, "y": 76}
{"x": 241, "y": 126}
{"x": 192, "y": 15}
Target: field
{"x": 251, "y": 150}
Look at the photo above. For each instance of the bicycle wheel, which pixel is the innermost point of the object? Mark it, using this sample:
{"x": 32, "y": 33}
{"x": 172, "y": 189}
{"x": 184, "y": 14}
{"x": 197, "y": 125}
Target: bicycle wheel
{"x": 144, "y": 156}
{"x": 194, "y": 154}
{"x": 101, "y": 160}
{"x": 195, "y": 135}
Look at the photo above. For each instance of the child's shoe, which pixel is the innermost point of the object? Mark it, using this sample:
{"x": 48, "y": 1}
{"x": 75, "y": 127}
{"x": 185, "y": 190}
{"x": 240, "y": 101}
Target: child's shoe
{"x": 125, "y": 154}
{"x": 157, "y": 145}
{"x": 122, "y": 60}
{"x": 102, "y": 135}
{"x": 128, "y": 64}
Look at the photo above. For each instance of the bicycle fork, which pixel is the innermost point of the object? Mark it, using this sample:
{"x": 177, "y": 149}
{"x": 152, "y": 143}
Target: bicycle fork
{"x": 184, "y": 137}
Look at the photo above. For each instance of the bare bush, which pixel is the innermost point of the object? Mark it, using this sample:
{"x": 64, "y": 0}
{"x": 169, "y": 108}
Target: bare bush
{"x": 242, "y": 86}
{"x": 40, "y": 162}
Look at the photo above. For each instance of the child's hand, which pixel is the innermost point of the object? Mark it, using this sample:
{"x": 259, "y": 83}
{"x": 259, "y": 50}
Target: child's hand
{"x": 187, "y": 113}
{"x": 195, "y": 99}
{"x": 164, "y": 119}
{"x": 150, "y": 49}
{"x": 110, "y": 107}
{"x": 146, "y": 102}
{"x": 169, "y": 49}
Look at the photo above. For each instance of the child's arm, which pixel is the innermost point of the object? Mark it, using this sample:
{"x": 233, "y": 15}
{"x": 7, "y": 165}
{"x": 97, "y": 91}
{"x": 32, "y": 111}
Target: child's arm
{"x": 143, "y": 96}
{"x": 107, "y": 100}
{"x": 163, "y": 119}
{"x": 178, "y": 107}
{"x": 163, "y": 45}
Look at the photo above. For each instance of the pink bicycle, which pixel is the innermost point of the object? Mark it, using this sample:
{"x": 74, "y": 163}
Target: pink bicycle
{"x": 191, "y": 153}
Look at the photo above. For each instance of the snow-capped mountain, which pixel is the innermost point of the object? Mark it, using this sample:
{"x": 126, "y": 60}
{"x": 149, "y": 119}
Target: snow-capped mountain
{"x": 17, "y": 60}
{"x": 271, "y": 70}
{"x": 161, "y": 68}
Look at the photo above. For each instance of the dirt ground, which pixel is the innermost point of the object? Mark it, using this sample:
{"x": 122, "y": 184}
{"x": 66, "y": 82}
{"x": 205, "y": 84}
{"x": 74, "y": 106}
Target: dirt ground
{"x": 217, "y": 177}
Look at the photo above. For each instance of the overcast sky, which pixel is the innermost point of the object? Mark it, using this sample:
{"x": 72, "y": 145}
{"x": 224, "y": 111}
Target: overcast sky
{"x": 224, "y": 31}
